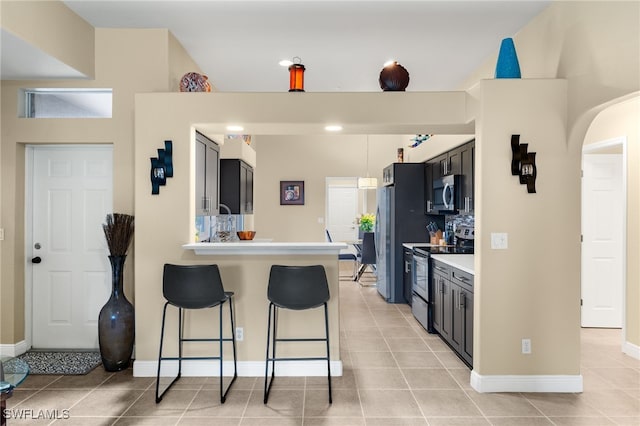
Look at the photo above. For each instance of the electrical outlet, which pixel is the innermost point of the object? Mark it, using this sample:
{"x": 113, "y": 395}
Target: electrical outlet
{"x": 239, "y": 334}
{"x": 526, "y": 346}
{"x": 499, "y": 240}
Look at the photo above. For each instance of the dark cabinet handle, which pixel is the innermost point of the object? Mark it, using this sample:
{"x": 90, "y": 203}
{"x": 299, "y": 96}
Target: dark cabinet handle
{"x": 36, "y": 259}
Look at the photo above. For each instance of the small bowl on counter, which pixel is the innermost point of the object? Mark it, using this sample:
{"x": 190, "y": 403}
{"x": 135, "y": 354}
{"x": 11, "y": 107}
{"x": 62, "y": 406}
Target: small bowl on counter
{"x": 246, "y": 235}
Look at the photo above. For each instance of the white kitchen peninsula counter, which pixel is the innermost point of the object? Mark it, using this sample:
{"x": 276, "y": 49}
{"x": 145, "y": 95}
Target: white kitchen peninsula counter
{"x": 264, "y": 247}
{"x": 245, "y": 267}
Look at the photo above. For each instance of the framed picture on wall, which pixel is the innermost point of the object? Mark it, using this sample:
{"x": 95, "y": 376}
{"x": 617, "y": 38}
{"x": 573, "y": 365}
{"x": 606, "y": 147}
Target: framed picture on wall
{"x": 292, "y": 192}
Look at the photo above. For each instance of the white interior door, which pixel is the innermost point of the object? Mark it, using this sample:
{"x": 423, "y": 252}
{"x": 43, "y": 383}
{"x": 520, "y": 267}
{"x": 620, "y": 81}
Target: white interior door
{"x": 342, "y": 210}
{"x": 603, "y": 244}
{"x": 71, "y": 195}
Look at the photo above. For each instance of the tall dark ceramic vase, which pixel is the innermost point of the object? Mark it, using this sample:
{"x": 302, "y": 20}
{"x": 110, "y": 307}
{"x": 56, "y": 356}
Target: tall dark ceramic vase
{"x": 116, "y": 322}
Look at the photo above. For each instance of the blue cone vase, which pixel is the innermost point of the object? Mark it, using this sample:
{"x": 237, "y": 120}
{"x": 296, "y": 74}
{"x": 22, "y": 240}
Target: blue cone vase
{"x": 507, "y": 66}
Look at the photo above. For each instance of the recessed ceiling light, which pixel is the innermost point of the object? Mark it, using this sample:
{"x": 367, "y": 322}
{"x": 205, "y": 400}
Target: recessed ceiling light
{"x": 389, "y": 62}
{"x": 235, "y": 128}
{"x": 285, "y": 63}
{"x": 333, "y": 128}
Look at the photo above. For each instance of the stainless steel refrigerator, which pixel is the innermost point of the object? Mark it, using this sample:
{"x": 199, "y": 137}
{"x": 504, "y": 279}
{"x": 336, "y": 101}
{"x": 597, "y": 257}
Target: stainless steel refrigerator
{"x": 400, "y": 218}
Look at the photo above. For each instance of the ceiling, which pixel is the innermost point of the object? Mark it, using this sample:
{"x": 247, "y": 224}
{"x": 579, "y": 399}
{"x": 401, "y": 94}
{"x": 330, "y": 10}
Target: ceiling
{"x": 342, "y": 44}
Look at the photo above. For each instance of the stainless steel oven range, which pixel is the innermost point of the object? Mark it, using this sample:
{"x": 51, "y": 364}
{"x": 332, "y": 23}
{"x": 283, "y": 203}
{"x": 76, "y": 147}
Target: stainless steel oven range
{"x": 421, "y": 298}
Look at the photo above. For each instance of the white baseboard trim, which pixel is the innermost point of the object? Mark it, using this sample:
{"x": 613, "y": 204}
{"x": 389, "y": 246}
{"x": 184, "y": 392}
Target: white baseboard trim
{"x": 14, "y": 349}
{"x": 245, "y": 368}
{"x": 526, "y": 383}
{"x": 631, "y": 350}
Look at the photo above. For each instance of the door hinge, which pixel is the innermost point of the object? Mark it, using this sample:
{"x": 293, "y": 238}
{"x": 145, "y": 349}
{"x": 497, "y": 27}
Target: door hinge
{"x": 581, "y": 173}
{"x": 580, "y": 302}
{"x": 581, "y": 238}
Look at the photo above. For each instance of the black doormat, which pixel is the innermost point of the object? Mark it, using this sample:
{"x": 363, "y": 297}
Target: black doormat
{"x": 61, "y": 362}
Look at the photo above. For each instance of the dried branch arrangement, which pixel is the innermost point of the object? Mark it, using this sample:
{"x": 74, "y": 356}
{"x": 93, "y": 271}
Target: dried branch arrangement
{"x": 118, "y": 231}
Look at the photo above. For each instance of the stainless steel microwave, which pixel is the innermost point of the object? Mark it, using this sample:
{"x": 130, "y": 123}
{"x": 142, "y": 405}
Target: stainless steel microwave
{"x": 445, "y": 194}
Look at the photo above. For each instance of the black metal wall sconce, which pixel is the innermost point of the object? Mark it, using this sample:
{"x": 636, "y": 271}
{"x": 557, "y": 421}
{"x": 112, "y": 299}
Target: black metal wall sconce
{"x": 161, "y": 167}
{"x": 523, "y": 164}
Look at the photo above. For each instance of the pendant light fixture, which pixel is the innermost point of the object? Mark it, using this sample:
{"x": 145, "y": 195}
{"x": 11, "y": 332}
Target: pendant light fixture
{"x": 367, "y": 182}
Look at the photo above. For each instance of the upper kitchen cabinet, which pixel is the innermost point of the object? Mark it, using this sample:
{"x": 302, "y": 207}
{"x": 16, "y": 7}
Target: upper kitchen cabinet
{"x": 207, "y": 175}
{"x": 236, "y": 186}
{"x": 467, "y": 170}
{"x": 446, "y": 164}
{"x": 428, "y": 187}
{"x": 466, "y": 156}
{"x": 459, "y": 162}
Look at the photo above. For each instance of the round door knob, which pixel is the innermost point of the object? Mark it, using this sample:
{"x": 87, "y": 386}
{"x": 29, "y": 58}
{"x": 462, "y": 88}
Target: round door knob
{"x": 36, "y": 259}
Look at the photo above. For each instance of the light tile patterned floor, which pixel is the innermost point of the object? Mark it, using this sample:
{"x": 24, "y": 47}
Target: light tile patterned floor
{"x": 395, "y": 374}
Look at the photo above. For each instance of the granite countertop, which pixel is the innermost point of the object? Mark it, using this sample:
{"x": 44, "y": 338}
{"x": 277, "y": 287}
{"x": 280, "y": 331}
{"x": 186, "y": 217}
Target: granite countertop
{"x": 464, "y": 262}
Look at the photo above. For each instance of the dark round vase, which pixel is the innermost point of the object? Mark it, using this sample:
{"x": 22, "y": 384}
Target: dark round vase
{"x": 394, "y": 78}
{"x": 116, "y": 322}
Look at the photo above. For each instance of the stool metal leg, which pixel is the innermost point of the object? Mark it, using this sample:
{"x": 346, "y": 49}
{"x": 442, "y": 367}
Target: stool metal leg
{"x": 326, "y": 330}
{"x": 223, "y": 395}
{"x": 158, "y": 394}
{"x": 181, "y": 339}
{"x": 267, "y": 382}
{"x": 271, "y": 344}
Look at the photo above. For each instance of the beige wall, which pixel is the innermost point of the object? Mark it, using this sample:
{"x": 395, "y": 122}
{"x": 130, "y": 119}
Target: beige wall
{"x": 622, "y": 121}
{"x": 144, "y": 54}
{"x": 164, "y": 222}
{"x": 312, "y": 158}
{"x": 594, "y": 45}
{"x": 53, "y": 28}
{"x": 531, "y": 290}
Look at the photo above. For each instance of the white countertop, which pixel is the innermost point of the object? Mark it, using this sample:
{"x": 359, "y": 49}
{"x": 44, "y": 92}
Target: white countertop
{"x": 265, "y": 248}
{"x": 464, "y": 262}
{"x": 411, "y": 245}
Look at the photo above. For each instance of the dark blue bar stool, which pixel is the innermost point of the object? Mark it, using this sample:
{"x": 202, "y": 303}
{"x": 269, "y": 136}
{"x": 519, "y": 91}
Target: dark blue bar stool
{"x": 195, "y": 287}
{"x": 296, "y": 288}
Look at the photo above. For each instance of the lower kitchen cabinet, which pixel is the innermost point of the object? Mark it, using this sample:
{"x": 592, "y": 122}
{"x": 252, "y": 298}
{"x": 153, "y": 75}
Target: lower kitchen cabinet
{"x": 408, "y": 275}
{"x": 453, "y": 308}
{"x": 441, "y": 299}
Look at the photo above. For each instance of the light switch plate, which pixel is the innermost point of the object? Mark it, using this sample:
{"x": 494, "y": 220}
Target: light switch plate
{"x": 499, "y": 240}
{"x": 1, "y": 234}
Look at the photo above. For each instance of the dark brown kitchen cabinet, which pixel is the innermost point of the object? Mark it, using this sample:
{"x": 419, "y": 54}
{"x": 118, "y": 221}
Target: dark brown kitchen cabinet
{"x": 441, "y": 299}
{"x": 445, "y": 164}
{"x": 428, "y": 187}
{"x": 453, "y": 308}
{"x": 207, "y": 175}
{"x": 467, "y": 163}
{"x": 407, "y": 276}
{"x": 236, "y": 186}
{"x": 459, "y": 161}
{"x": 462, "y": 314}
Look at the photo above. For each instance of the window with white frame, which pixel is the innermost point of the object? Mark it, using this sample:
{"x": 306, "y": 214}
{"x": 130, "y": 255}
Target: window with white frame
{"x": 67, "y": 103}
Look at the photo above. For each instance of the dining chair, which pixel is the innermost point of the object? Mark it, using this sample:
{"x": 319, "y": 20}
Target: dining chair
{"x": 367, "y": 257}
{"x": 346, "y": 256}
